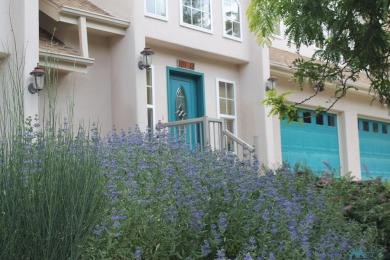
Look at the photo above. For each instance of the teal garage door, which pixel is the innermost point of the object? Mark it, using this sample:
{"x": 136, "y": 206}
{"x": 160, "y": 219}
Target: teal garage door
{"x": 374, "y": 141}
{"x": 313, "y": 143}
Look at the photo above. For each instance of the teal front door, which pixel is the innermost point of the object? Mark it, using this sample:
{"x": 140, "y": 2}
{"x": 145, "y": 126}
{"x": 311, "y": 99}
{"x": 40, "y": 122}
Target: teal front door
{"x": 185, "y": 101}
{"x": 182, "y": 98}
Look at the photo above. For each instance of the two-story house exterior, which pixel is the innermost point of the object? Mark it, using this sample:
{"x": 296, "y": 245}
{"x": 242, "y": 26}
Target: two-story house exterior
{"x": 206, "y": 62}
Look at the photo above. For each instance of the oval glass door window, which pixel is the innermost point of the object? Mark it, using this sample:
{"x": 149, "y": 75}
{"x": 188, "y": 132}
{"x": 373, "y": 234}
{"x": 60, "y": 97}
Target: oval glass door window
{"x": 181, "y": 105}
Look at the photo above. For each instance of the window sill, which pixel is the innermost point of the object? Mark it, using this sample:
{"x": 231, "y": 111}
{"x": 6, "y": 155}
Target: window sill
{"x": 232, "y": 38}
{"x": 157, "y": 17}
{"x": 197, "y": 28}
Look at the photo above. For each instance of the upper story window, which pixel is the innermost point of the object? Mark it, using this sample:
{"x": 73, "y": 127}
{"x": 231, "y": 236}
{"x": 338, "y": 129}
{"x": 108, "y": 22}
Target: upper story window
{"x": 278, "y": 29}
{"x": 196, "y": 14}
{"x": 232, "y": 19}
{"x": 157, "y": 9}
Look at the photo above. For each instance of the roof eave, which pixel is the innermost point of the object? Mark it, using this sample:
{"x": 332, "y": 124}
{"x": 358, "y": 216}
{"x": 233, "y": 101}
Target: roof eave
{"x": 285, "y": 71}
{"x": 95, "y": 21}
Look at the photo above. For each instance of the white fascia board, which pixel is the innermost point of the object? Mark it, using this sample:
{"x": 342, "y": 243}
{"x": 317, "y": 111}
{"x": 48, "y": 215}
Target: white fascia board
{"x": 360, "y": 86}
{"x": 281, "y": 68}
{"x": 94, "y": 21}
{"x": 64, "y": 61}
{"x": 50, "y": 9}
{"x": 285, "y": 70}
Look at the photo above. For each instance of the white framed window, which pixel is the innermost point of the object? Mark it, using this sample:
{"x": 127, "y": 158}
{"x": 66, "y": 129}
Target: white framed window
{"x": 232, "y": 19}
{"x": 278, "y": 29}
{"x": 150, "y": 98}
{"x": 196, "y": 14}
{"x": 156, "y": 9}
{"x": 226, "y": 94}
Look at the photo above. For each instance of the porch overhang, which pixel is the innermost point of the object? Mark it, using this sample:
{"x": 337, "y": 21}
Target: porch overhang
{"x": 64, "y": 62}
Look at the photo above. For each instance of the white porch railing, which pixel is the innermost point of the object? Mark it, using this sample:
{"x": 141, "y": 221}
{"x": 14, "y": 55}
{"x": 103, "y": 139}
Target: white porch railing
{"x": 205, "y": 131}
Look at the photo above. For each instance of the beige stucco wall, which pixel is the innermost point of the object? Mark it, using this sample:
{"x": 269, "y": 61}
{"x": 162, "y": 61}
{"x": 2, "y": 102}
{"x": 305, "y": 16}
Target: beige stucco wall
{"x": 4, "y": 21}
{"x": 83, "y": 97}
{"x": 86, "y": 98}
{"x": 128, "y": 83}
{"x": 19, "y": 39}
{"x": 172, "y": 33}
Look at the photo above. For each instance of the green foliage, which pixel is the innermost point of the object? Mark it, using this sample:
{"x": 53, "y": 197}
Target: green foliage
{"x": 167, "y": 202}
{"x": 280, "y": 107}
{"x": 50, "y": 192}
{"x": 354, "y": 36}
{"x": 367, "y": 202}
{"x": 387, "y": 185}
{"x": 162, "y": 201}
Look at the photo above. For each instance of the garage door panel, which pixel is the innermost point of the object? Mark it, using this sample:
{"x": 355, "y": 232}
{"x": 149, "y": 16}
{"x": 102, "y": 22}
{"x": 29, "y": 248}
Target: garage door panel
{"x": 312, "y": 142}
{"x": 374, "y": 141}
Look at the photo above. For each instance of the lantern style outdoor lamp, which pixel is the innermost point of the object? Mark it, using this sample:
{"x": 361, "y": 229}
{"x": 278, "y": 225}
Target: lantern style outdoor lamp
{"x": 271, "y": 83}
{"x": 39, "y": 80}
{"x": 147, "y": 55}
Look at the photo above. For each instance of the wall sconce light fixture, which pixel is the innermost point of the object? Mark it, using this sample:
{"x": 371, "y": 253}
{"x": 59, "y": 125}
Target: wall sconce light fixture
{"x": 146, "y": 62}
{"x": 39, "y": 80}
{"x": 271, "y": 82}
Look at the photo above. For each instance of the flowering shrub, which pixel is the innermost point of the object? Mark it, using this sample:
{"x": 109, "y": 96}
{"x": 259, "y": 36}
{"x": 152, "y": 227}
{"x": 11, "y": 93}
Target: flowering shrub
{"x": 366, "y": 202}
{"x": 164, "y": 201}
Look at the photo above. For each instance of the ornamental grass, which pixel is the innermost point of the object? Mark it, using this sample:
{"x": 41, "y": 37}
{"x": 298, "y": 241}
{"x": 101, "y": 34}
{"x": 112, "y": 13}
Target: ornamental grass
{"x": 50, "y": 194}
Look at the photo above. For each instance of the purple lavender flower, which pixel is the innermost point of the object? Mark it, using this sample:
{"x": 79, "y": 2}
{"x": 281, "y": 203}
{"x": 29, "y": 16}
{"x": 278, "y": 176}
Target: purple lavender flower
{"x": 222, "y": 221}
{"x": 327, "y": 164}
{"x": 205, "y": 248}
{"x": 248, "y": 256}
{"x": 266, "y": 215}
{"x": 114, "y": 218}
{"x": 137, "y": 254}
{"x": 271, "y": 256}
{"x": 221, "y": 254}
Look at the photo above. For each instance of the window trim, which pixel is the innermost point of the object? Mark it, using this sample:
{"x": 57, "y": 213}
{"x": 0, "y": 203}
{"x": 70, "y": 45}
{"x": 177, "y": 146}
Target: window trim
{"x": 156, "y": 16}
{"x": 194, "y": 27}
{"x": 224, "y": 23}
{"x": 224, "y": 116}
{"x": 219, "y": 115}
{"x": 281, "y": 28}
{"x": 153, "y": 105}
{"x": 370, "y": 124}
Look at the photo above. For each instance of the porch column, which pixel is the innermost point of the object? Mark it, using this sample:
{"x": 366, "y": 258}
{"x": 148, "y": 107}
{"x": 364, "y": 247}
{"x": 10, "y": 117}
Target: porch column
{"x": 83, "y": 36}
{"x": 349, "y": 143}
